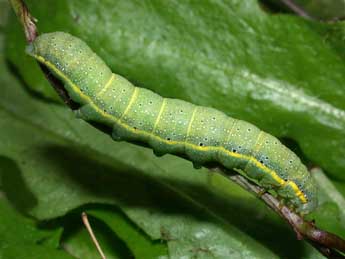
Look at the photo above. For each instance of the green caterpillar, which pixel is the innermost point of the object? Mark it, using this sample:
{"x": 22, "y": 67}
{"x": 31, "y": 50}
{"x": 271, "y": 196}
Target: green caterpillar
{"x": 202, "y": 135}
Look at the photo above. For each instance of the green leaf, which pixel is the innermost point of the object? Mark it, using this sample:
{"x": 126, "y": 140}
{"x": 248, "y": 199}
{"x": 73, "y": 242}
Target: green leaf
{"x": 4, "y": 7}
{"x": 282, "y": 73}
{"x": 208, "y": 53}
{"x": 77, "y": 241}
{"x": 20, "y": 237}
{"x": 63, "y": 163}
{"x": 330, "y": 214}
{"x": 139, "y": 243}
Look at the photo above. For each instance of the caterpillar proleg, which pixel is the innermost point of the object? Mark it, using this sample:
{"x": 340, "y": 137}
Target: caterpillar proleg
{"x": 201, "y": 134}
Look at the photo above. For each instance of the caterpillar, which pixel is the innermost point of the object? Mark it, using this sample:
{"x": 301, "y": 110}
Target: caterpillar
{"x": 202, "y": 135}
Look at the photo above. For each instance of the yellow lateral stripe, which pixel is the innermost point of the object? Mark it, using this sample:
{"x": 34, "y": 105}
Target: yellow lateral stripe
{"x": 190, "y": 123}
{"x": 105, "y": 88}
{"x": 159, "y": 115}
{"x": 295, "y": 187}
{"x": 131, "y": 101}
{"x": 271, "y": 172}
{"x": 59, "y": 73}
{"x": 297, "y": 191}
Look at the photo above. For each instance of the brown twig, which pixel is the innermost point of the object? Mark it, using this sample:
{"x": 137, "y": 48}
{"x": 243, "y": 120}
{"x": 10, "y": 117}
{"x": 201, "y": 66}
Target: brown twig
{"x": 300, "y": 11}
{"x": 327, "y": 243}
{"x": 27, "y": 21}
{"x": 31, "y": 33}
{"x": 297, "y": 9}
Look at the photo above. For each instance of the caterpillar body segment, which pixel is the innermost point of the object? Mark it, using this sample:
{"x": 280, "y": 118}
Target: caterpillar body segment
{"x": 202, "y": 135}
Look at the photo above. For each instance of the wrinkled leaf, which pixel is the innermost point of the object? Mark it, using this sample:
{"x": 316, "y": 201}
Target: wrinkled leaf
{"x": 209, "y": 54}
{"x": 330, "y": 214}
{"x": 282, "y": 73}
{"x": 140, "y": 244}
{"x": 77, "y": 241}
{"x": 62, "y": 163}
{"x": 20, "y": 237}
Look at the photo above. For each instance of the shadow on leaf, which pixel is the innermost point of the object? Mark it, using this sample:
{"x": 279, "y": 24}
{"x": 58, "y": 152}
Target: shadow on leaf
{"x": 86, "y": 177}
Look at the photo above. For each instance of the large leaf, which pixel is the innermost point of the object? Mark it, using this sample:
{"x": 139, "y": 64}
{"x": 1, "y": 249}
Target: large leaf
{"x": 77, "y": 241}
{"x": 140, "y": 245}
{"x": 21, "y": 238}
{"x": 55, "y": 174}
{"x": 61, "y": 163}
{"x": 282, "y": 73}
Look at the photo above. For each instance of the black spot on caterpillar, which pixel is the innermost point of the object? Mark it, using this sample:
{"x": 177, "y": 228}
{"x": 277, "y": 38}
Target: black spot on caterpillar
{"x": 202, "y": 135}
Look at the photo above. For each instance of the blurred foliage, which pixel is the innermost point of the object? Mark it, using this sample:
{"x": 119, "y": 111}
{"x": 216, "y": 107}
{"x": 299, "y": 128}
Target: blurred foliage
{"x": 20, "y": 238}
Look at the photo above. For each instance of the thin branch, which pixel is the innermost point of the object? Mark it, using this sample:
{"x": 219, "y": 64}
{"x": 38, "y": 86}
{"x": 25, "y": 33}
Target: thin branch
{"x": 27, "y": 21}
{"x": 297, "y": 9}
{"x": 327, "y": 243}
{"x": 31, "y": 33}
{"x": 92, "y": 235}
